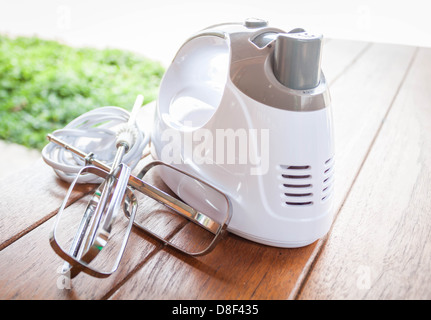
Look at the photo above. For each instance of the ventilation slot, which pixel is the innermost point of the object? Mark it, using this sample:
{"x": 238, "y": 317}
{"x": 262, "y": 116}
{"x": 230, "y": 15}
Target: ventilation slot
{"x": 299, "y": 203}
{"x": 298, "y": 194}
{"x": 328, "y": 179}
{"x": 296, "y": 185}
{"x": 295, "y": 167}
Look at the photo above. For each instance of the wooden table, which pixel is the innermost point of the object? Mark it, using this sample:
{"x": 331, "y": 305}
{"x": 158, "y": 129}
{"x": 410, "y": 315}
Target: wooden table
{"x": 379, "y": 246}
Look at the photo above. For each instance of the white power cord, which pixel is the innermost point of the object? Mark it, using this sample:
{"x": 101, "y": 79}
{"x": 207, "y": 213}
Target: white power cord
{"x": 97, "y": 131}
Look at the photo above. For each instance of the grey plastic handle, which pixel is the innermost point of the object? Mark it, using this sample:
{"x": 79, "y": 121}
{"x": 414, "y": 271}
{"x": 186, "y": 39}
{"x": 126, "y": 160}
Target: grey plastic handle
{"x": 297, "y": 57}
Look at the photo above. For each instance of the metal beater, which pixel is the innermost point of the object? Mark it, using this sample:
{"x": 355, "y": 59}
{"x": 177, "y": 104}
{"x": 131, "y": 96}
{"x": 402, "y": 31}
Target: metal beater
{"x": 116, "y": 191}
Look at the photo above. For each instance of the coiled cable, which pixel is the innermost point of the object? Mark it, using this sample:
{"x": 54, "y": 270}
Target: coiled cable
{"x": 95, "y": 132}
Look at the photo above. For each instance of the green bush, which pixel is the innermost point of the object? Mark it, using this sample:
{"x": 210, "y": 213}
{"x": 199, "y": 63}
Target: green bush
{"x": 44, "y": 85}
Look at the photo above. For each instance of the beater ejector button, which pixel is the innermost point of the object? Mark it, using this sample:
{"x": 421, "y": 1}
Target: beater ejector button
{"x": 253, "y": 23}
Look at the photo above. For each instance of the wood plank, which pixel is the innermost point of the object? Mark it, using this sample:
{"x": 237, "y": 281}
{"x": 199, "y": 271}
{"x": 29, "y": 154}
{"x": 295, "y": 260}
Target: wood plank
{"x": 380, "y": 245}
{"x": 339, "y": 55}
{"x": 236, "y": 269}
{"x": 36, "y": 275}
{"x": 241, "y": 269}
{"x": 32, "y": 258}
{"x": 30, "y": 197}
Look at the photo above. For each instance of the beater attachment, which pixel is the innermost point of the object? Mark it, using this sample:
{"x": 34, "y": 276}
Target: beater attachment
{"x": 102, "y": 209}
{"x": 100, "y": 227}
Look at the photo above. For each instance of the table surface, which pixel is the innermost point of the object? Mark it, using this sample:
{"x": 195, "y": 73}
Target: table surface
{"x": 379, "y": 246}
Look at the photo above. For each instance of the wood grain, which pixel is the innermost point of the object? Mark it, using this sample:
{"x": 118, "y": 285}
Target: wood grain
{"x": 339, "y": 55}
{"x": 32, "y": 257}
{"x": 30, "y": 197}
{"x": 35, "y": 273}
{"x": 380, "y": 244}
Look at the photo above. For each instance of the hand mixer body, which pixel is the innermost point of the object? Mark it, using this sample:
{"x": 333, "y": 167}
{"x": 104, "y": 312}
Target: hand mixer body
{"x": 225, "y": 114}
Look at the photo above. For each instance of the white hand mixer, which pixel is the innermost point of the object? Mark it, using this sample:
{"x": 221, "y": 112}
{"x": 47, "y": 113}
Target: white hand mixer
{"x": 234, "y": 82}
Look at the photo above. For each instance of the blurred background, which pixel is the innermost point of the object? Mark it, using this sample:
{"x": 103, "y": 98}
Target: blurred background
{"x": 106, "y": 52}
{"x": 157, "y": 28}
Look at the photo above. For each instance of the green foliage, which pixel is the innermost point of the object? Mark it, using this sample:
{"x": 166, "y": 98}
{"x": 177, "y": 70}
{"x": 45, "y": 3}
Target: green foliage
{"x": 44, "y": 85}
